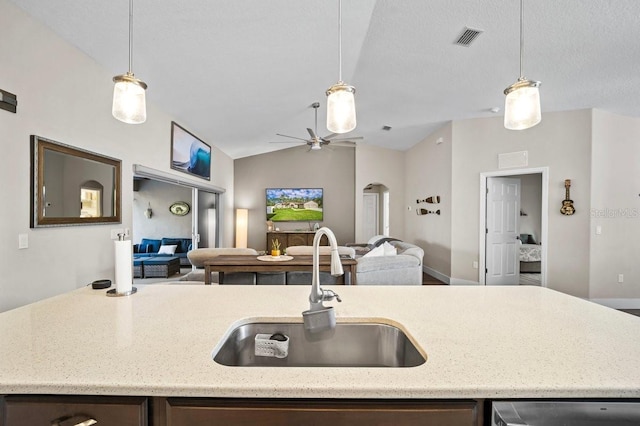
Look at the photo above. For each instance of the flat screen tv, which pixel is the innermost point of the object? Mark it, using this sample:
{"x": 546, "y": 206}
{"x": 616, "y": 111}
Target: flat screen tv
{"x": 294, "y": 204}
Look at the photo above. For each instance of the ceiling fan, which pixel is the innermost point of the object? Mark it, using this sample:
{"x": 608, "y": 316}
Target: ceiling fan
{"x": 316, "y": 142}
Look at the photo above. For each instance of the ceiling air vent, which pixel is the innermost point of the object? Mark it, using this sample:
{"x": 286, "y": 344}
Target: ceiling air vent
{"x": 468, "y": 36}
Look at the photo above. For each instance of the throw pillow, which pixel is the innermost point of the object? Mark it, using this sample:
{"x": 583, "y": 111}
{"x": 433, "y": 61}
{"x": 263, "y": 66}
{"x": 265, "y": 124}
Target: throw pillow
{"x": 167, "y": 250}
{"x": 389, "y": 250}
{"x": 375, "y": 252}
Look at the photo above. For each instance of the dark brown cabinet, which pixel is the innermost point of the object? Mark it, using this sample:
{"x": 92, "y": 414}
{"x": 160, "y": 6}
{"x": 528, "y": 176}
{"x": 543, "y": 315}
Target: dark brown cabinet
{"x": 229, "y": 412}
{"x": 293, "y": 238}
{"x": 66, "y": 410}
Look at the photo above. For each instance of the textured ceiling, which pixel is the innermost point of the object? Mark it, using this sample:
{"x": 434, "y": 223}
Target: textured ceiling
{"x": 237, "y": 72}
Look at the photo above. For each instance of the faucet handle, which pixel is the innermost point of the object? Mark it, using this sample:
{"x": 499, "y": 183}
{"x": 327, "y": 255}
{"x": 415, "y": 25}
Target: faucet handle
{"x": 328, "y": 295}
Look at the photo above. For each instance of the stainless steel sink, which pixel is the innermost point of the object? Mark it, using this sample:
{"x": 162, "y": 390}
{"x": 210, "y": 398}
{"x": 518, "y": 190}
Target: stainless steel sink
{"x": 349, "y": 344}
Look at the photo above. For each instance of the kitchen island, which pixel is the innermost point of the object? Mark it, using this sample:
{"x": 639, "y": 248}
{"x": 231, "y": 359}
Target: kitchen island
{"x": 481, "y": 343}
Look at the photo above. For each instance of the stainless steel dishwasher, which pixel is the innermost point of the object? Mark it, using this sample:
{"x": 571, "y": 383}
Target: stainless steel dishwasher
{"x": 565, "y": 413}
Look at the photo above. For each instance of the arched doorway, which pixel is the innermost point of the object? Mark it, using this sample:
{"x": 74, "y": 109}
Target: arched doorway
{"x": 375, "y": 210}
{"x": 91, "y": 199}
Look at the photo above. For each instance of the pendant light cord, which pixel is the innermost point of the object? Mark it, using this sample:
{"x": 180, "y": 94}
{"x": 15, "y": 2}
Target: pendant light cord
{"x": 339, "y": 40}
{"x": 130, "y": 36}
{"x": 521, "y": 38}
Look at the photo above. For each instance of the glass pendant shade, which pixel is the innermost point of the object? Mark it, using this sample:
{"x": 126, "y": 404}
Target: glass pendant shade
{"x": 522, "y": 105}
{"x": 129, "y": 101}
{"x": 522, "y": 102}
{"x": 341, "y": 108}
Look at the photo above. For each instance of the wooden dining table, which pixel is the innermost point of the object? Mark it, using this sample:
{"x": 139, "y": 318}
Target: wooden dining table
{"x": 246, "y": 263}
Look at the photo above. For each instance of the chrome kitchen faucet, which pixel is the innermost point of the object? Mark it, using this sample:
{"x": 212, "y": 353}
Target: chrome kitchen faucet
{"x": 319, "y": 317}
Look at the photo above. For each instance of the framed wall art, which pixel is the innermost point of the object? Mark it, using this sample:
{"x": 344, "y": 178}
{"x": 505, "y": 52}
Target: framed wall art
{"x": 189, "y": 154}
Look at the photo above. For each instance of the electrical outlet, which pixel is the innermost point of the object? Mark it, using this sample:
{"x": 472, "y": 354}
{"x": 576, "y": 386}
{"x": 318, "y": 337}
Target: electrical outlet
{"x": 475, "y": 265}
{"x": 620, "y": 278}
{"x": 598, "y": 230}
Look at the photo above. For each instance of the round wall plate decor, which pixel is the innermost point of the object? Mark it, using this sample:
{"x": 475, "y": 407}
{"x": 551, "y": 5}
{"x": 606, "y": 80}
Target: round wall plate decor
{"x": 179, "y": 208}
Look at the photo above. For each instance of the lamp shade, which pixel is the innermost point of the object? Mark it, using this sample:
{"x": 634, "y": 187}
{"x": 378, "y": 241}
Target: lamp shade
{"x": 522, "y": 105}
{"x": 341, "y": 108}
{"x": 242, "y": 227}
{"x": 129, "y": 100}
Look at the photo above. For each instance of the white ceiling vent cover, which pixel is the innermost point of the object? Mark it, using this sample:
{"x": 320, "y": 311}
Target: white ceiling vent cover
{"x": 468, "y": 36}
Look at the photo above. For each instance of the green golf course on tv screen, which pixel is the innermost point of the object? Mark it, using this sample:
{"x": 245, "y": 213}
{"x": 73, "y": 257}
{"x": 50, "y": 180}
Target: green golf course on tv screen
{"x": 294, "y": 204}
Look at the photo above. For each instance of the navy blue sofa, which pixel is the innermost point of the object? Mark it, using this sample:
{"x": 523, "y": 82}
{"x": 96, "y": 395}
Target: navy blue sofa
{"x": 149, "y": 248}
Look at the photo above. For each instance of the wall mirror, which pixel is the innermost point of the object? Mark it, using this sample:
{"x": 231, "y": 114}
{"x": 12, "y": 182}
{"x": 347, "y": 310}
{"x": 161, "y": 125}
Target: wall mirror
{"x": 71, "y": 186}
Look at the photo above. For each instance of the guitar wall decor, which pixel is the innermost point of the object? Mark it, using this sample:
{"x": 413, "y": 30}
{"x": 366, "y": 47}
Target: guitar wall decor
{"x": 567, "y": 208}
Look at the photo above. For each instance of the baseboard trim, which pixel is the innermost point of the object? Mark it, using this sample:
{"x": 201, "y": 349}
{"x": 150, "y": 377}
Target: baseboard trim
{"x": 460, "y": 281}
{"x": 447, "y": 279}
{"x": 436, "y": 274}
{"x": 618, "y": 303}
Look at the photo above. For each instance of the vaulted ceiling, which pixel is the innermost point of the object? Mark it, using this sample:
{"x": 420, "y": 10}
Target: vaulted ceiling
{"x": 237, "y": 72}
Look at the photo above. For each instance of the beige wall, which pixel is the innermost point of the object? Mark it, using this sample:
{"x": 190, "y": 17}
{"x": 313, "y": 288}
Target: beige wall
{"x": 615, "y": 207}
{"x": 428, "y": 173}
{"x": 65, "y": 96}
{"x": 382, "y": 166}
{"x": 562, "y": 142}
{"x": 330, "y": 169}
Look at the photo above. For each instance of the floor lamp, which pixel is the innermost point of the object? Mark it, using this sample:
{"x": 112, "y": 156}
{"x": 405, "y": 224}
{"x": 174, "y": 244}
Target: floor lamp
{"x": 242, "y": 225}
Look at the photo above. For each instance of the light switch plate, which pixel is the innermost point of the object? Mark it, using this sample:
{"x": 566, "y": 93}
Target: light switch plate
{"x": 23, "y": 241}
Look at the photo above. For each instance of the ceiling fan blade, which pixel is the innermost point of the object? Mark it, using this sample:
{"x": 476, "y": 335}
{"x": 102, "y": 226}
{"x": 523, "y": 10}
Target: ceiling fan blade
{"x": 356, "y": 138}
{"x": 343, "y": 143}
{"x": 312, "y": 134}
{"x": 332, "y": 135}
{"x": 292, "y": 137}
{"x": 288, "y": 142}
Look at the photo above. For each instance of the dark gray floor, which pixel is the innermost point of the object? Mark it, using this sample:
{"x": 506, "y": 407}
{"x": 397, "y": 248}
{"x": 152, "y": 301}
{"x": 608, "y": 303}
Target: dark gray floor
{"x": 635, "y": 312}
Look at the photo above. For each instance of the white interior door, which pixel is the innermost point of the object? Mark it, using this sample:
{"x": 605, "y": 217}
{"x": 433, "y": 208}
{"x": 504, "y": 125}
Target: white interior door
{"x": 369, "y": 215}
{"x": 503, "y": 216}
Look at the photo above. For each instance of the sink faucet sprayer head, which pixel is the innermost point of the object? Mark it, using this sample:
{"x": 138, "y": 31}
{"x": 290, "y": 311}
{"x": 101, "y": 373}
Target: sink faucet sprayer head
{"x": 336, "y": 265}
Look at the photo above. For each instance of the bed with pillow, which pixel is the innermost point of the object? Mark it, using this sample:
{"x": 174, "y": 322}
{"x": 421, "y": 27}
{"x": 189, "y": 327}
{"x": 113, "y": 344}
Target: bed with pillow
{"x": 530, "y": 254}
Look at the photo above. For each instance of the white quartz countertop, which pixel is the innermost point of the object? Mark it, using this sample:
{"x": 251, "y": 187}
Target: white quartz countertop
{"x": 481, "y": 342}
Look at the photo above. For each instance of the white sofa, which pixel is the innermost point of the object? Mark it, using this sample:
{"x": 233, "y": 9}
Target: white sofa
{"x": 303, "y": 277}
{"x": 404, "y": 268}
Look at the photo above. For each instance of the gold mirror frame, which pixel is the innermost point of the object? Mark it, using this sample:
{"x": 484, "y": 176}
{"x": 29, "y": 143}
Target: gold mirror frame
{"x": 39, "y": 204}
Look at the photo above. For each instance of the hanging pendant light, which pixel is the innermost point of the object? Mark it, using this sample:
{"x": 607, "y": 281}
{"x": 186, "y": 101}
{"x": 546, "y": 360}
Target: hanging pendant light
{"x": 341, "y": 104}
{"x": 129, "y": 103}
{"x": 522, "y": 104}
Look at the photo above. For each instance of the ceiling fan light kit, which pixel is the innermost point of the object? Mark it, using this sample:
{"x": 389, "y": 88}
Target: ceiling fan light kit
{"x": 129, "y": 98}
{"x": 522, "y": 102}
{"x": 341, "y": 104}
